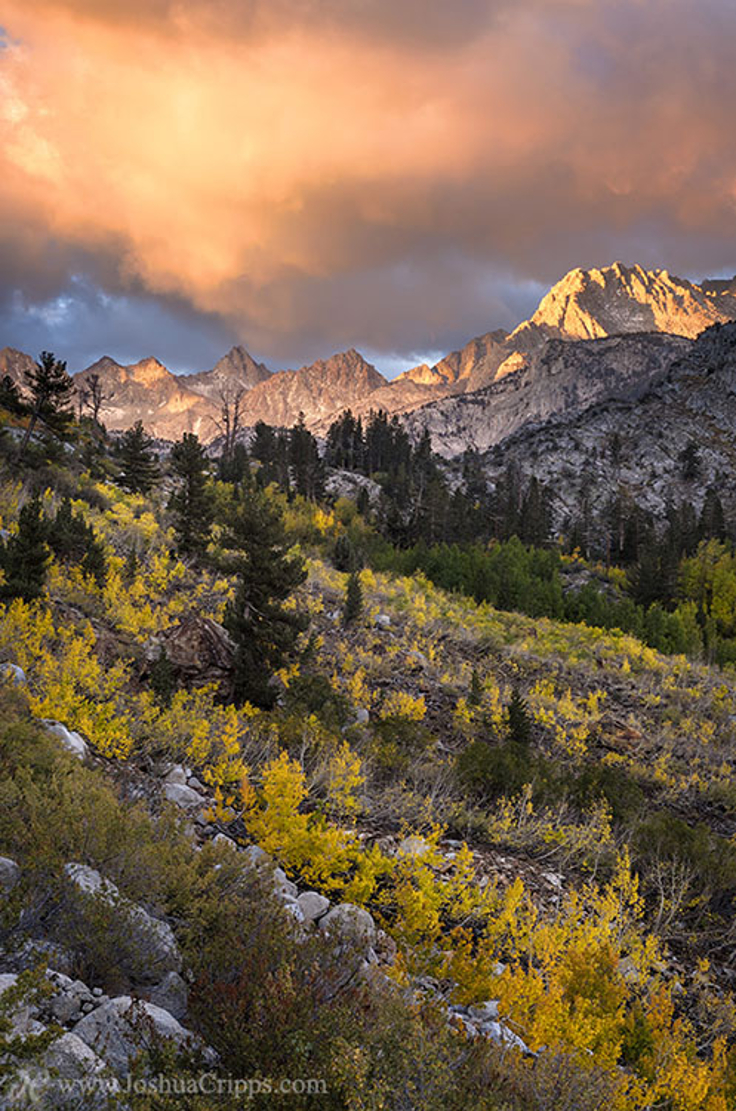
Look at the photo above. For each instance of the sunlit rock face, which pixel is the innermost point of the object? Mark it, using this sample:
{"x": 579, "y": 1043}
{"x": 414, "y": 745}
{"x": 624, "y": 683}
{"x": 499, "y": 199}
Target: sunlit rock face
{"x": 235, "y": 371}
{"x": 585, "y": 305}
{"x": 588, "y": 304}
{"x": 565, "y": 378}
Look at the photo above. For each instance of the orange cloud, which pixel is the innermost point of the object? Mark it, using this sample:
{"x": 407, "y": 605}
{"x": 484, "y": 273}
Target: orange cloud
{"x": 265, "y": 160}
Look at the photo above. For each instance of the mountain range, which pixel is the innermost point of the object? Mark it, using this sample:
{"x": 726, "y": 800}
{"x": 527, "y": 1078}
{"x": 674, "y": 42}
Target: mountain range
{"x": 599, "y": 333}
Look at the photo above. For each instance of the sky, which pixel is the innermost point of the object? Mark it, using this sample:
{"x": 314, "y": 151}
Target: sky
{"x": 304, "y": 176}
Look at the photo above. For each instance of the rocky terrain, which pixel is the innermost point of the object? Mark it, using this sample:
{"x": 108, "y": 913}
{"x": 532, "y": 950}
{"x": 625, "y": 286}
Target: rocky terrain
{"x": 565, "y": 379}
{"x": 634, "y": 443}
{"x": 235, "y": 371}
{"x": 584, "y": 306}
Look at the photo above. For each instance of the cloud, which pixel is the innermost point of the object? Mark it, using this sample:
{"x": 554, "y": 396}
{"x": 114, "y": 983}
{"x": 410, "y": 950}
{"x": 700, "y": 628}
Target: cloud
{"x": 399, "y": 176}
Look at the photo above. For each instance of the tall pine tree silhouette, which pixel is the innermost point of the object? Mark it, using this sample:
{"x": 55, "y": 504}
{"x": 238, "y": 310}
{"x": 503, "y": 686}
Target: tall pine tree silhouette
{"x": 190, "y": 504}
{"x": 139, "y": 468}
{"x": 264, "y": 631}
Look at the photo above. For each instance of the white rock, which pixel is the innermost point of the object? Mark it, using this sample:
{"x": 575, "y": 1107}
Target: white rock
{"x": 120, "y": 1029}
{"x": 413, "y": 846}
{"x": 177, "y": 775}
{"x": 294, "y": 909}
{"x": 348, "y": 921}
{"x": 13, "y": 674}
{"x": 501, "y": 1034}
{"x": 255, "y": 857}
{"x": 382, "y": 621}
{"x": 313, "y": 905}
{"x": 282, "y": 884}
{"x": 185, "y": 797}
{"x": 153, "y": 947}
{"x": 172, "y": 995}
{"x": 71, "y": 1058}
{"x": 362, "y": 717}
{"x": 71, "y": 741}
{"x": 484, "y": 1012}
{"x": 9, "y": 874}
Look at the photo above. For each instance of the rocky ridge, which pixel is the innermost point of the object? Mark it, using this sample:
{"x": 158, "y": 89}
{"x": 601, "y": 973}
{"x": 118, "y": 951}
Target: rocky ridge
{"x": 584, "y": 306}
{"x": 634, "y": 443}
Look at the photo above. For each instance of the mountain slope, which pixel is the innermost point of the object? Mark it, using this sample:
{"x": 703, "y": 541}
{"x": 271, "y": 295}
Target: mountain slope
{"x": 15, "y": 364}
{"x": 566, "y": 378}
{"x": 148, "y": 392}
{"x": 237, "y": 370}
{"x": 318, "y": 390}
{"x": 635, "y": 444}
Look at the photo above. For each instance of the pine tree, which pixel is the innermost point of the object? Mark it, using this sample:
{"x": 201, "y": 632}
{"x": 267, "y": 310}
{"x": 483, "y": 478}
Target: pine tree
{"x": 24, "y": 558}
{"x": 191, "y": 506}
{"x": 264, "y": 631}
{"x": 139, "y": 468}
{"x": 518, "y": 718}
{"x": 353, "y": 605}
{"x": 51, "y": 391}
{"x": 344, "y": 556}
{"x": 10, "y": 398}
{"x": 306, "y": 465}
{"x": 712, "y": 522}
{"x": 72, "y": 540}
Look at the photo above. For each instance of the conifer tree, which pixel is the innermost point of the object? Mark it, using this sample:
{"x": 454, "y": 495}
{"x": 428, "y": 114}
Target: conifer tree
{"x": 24, "y": 557}
{"x": 518, "y": 718}
{"x": 51, "y": 391}
{"x": 263, "y": 630}
{"x": 10, "y": 398}
{"x": 192, "y": 508}
{"x": 139, "y": 468}
{"x": 712, "y": 522}
{"x": 353, "y": 605}
{"x": 306, "y": 465}
{"x": 72, "y": 540}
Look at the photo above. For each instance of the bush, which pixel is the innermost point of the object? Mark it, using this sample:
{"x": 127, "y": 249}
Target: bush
{"x": 622, "y": 793}
{"x": 494, "y": 770}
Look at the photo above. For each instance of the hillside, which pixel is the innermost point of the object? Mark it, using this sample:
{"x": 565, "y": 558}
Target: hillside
{"x": 483, "y": 856}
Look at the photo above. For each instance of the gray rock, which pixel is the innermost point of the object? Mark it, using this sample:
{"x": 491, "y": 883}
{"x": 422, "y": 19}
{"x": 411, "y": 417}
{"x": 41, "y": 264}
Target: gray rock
{"x": 501, "y": 1034}
{"x": 35, "y": 951}
{"x": 71, "y": 1058}
{"x": 11, "y": 673}
{"x": 225, "y": 841}
{"x": 255, "y": 856}
{"x": 346, "y": 921}
{"x": 121, "y": 1029}
{"x": 195, "y": 784}
{"x": 71, "y": 741}
{"x": 313, "y": 905}
{"x": 171, "y": 995}
{"x": 418, "y": 660}
{"x": 177, "y": 775}
{"x": 23, "y": 1015}
{"x": 382, "y": 621}
{"x": 413, "y": 846}
{"x": 9, "y": 874}
{"x": 362, "y": 717}
{"x": 484, "y": 1012}
{"x": 185, "y": 797}
{"x": 282, "y": 884}
{"x": 293, "y": 908}
{"x": 68, "y": 1006}
{"x": 153, "y": 947}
